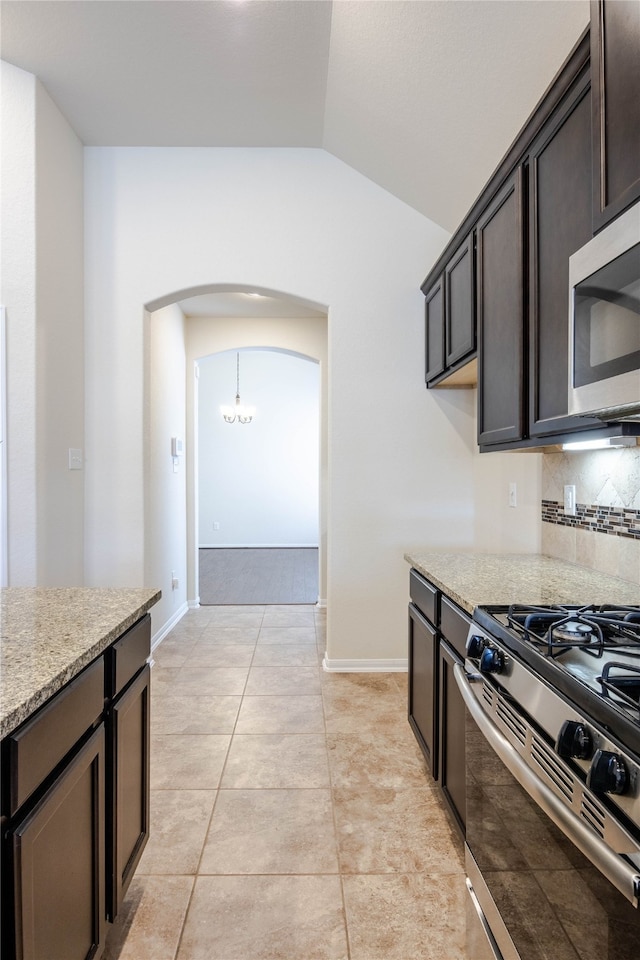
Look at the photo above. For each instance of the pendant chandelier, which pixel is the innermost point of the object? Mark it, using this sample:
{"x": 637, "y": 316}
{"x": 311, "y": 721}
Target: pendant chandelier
{"x": 238, "y": 413}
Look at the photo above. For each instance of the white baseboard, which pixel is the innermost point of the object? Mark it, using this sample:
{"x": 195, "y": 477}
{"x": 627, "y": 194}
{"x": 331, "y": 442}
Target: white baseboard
{"x": 257, "y": 546}
{"x": 364, "y": 666}
{"x": 194, "y": 604}
{"x": 168, "y": 626}
{"x": 321, "y": 603}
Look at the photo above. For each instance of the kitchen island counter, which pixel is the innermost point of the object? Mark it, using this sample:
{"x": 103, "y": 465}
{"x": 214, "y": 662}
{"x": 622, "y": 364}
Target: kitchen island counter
{"x": 478, "y": 579}
{"x": 49, "y": 634}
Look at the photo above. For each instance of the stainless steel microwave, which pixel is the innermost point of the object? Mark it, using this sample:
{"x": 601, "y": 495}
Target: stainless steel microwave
{"x": 604, "y": 322}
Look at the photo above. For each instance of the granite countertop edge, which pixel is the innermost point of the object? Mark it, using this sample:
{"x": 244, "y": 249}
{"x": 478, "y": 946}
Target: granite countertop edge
{"x": 131, "y": 606}
{"x": 482, "y": 579}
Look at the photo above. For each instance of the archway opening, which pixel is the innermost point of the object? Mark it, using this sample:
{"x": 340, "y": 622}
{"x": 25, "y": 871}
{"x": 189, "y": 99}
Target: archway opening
{"x": 184, "y": 327}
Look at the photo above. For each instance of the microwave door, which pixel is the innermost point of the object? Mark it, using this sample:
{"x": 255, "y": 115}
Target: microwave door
{"x": 606, "y": 337}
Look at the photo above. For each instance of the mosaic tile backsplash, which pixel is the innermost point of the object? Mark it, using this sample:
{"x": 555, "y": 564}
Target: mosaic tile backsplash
{"x": 609, "y": 520}
{"x": 605, "y": 533}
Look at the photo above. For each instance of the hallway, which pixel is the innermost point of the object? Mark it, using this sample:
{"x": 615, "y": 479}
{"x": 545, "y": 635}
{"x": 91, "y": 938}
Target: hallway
{"x": 291, "y": 814}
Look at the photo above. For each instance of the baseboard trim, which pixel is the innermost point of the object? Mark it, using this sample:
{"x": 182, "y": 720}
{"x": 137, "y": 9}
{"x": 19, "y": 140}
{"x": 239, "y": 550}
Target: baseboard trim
{"x": 364, "y": 666}
{"x": 257, "y": 546}
{"x": 168, "y": 626}
{"x": 321, "y": 603}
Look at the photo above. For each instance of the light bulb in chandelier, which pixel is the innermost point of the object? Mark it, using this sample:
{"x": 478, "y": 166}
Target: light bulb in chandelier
{"x": 239, "y": 413}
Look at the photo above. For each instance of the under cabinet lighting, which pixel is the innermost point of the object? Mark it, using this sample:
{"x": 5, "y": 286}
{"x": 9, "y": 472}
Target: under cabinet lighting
{"x": 603, "y": 444}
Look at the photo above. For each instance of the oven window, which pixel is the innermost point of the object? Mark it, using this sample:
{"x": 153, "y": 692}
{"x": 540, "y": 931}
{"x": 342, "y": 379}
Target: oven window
{"x": 554, "y": 903}
{"x": 607, "y": 321}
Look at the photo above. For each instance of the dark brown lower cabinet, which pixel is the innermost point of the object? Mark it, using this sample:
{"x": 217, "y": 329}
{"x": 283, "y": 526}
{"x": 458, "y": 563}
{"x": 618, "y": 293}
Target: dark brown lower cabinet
{"x": 128, "y": 792}
{"x": 58, "y": 864}
{"x": 75, "y": 807}
{"x": 423, "y": 665}
{"x": 436, "y": 708}
{"x": 452, "y": 720}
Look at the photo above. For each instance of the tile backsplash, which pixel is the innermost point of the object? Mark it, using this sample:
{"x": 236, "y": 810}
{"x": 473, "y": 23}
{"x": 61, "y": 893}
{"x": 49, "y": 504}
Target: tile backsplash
{"x": 605, "y": 533}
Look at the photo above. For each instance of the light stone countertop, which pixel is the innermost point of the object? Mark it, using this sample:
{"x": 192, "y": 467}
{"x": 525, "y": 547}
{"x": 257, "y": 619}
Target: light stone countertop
{"x": 48, "y": 634}
{"x": 476, "y": 579}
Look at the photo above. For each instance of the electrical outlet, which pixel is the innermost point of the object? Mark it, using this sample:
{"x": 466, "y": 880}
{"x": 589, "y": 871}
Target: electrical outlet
{"x": 570, "y": 500}
{"x": 216, "y": 524}
{"x": 175, "y": 583}
{"x": 513, "y": 495}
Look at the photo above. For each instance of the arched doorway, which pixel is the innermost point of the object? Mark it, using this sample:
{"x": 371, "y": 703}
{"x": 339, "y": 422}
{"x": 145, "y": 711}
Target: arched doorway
{"x": 275, "y": 320}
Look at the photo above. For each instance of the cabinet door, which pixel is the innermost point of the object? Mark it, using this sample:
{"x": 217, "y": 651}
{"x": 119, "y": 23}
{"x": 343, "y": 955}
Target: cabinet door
{"x": 59, "y": 864}
{"x": 460, "y": 317}
{"x": 559, "y": 224}
{"x": 452, "y": 721}
{"x": 128, "y": 807}
{"x": 423, "y": 687}
{"x": 434, "y": 331}
{"x": 615, "y": 59}
{"x": 500, "y": 297}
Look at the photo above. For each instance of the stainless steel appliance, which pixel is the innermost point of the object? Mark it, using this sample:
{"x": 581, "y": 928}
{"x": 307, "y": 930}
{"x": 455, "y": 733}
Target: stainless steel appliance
{"x": 604, "y": 322}
{"x": 552, "y": 698}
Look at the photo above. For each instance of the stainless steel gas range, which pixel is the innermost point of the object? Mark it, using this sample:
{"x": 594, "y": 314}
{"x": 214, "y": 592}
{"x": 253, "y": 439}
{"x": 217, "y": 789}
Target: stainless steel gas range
{"x": 552, "y": 698}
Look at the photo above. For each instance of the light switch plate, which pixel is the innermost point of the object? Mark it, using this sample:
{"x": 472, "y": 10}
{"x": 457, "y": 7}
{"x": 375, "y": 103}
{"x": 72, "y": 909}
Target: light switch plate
{"x": 75, "y": 458}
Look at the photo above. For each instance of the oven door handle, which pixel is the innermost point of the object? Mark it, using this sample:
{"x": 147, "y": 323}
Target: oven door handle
{"x": 618, "y": 871}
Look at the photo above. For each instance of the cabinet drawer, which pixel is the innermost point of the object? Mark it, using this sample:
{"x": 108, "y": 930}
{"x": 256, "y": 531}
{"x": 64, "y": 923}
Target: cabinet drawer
{"x": 39, "y": 745}
{"x": 425, "y": 597}
{"x": 454, "y": 625}
{"x": 128, "y": 655}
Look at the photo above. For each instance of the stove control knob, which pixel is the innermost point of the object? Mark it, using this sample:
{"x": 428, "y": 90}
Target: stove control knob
{"x": 475, "y": 646}
{"x": 574, "y": 740}
{"x": 608, "y": 773}
{"x": 491, "y": 661}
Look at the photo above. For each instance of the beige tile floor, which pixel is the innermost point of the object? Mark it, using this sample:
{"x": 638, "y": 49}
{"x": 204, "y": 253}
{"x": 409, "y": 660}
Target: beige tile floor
{"x": 292, "y": 817}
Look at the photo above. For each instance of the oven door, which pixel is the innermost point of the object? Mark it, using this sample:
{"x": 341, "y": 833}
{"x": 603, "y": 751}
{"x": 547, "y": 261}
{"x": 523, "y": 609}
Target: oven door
{"x": 539, "y": 896}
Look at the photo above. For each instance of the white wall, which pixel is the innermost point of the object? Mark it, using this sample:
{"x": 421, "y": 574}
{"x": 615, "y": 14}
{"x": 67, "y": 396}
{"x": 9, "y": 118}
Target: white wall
{"x": 42, "y": 290}
{"x": 18, "y": 294}
{"x": 160, "y": 221}
{"x": 165, "y": 497}
{"x": 60, "y": 345}
{"x": 500, "y": 528}
{"x": 259, "y": 481}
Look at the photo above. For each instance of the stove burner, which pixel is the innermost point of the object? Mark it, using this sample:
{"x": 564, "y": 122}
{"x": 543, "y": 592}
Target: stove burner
{"x": 573, "y": 631}
{"x": 554, "y": 630}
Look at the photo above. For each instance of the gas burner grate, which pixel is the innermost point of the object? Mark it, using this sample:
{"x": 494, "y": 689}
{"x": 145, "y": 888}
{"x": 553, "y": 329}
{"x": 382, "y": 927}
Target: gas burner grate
{"x": 554, "y": 630}
{"x": 625, "y": 686}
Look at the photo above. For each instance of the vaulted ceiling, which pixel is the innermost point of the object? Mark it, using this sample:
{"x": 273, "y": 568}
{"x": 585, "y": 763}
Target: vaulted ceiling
{"x": 423, "y": 97}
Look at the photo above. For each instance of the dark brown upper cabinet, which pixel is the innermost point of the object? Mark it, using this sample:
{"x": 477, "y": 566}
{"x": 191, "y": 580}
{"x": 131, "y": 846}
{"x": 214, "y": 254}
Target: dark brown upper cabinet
{"x": 615, "y": 78}
{"x": 459, "y": 305}
{"x": 434, "y": 330}
{"x": 500, "y": 309}
{"x": 559, "y": 171}
{"x": 450, "y": 321}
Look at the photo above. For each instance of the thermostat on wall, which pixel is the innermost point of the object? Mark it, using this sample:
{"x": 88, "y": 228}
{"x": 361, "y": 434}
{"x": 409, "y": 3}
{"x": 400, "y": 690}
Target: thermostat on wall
{"x": 177, "y": 447}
